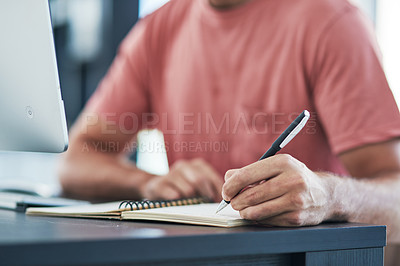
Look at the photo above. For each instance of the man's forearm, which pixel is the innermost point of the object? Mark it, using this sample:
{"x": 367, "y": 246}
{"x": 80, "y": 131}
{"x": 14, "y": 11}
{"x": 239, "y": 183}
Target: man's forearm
{"x": 93, "y": 175}
{"x": 368, "y": 200}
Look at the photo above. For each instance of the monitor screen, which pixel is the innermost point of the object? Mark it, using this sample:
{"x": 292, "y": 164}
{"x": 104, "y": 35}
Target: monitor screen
{"x": 32, "y": 116}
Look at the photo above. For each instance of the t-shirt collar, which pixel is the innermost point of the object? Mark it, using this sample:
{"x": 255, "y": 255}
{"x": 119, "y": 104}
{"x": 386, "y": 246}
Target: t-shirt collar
{"x": 225, "y": 16}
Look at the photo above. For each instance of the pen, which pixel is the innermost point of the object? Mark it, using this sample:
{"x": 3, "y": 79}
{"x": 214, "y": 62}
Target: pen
{"x": 287, "y": 135}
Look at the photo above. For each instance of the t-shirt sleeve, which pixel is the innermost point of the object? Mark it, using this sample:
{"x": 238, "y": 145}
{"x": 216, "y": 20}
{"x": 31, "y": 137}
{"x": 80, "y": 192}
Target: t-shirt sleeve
{"x": 353, "y": 100}
{"x": 122, "y": 95}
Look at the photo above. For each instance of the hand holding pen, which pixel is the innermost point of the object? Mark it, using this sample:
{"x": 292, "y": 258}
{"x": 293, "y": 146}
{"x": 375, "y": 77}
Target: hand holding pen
{"x": 293, "y": 129}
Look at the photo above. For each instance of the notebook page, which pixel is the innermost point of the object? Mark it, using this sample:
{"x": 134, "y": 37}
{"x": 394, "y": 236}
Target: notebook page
{"x": 203, "y": 214}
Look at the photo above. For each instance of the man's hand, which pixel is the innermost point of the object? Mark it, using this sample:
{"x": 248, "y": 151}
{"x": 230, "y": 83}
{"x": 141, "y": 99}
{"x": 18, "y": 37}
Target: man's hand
{"x": 186, "y": 179}
{"x": 280, "y": 191}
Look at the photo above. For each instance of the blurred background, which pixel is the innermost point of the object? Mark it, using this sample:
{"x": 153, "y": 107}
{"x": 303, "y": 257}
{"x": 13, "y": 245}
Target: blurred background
{"x": 87, "y": 35}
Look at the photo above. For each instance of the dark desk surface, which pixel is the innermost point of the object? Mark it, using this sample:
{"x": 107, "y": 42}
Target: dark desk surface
{"x": 49, "y": 240}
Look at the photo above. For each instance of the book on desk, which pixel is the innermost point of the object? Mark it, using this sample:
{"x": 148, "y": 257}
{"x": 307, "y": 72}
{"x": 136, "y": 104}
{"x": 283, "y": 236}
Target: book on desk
{"x": 196, "y": 211}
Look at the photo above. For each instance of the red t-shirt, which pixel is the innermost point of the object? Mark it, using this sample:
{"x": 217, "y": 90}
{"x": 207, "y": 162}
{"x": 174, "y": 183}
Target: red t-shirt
{"x": 222, "y": 85}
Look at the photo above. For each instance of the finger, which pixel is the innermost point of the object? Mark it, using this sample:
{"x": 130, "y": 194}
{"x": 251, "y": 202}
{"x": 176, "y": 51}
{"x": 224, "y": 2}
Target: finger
{"x": 267, "y": 209}
{"x": 229, "y": 173}
{"x": 181, "y": 184}
{"x": 160, "y": 189}
{"x": 256, "y": 172}
{"x": 207, "y": 190}
{"x": 262, "y": 192}
{"x": 214, "y": 178}
{"x": 168, "y": 193}
{"x": 198, "y": 180}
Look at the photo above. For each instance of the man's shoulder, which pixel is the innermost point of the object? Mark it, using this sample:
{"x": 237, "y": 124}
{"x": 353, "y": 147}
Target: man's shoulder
{"x": 159, "y": 27}
{"x": 315, "y": 17}
{"x": 169, "y": 15}
{"x": 322, "y": 10}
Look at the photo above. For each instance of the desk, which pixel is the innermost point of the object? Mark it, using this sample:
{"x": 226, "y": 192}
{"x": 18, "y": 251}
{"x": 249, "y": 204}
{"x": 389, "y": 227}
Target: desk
{"x": 50, "y": 240}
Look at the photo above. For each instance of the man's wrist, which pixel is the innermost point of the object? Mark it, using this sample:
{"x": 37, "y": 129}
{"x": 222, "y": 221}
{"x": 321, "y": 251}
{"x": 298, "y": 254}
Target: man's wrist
{"x": 335, "y": 209}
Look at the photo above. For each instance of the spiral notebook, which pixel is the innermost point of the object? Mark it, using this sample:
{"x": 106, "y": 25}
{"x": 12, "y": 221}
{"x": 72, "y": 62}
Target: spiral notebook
{"x": 110, "y": 210}
{"x": 195, "y": 211}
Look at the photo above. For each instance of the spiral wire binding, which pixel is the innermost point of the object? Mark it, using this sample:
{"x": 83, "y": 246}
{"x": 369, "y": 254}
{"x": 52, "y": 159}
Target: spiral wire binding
{"x": 150, "y": 204}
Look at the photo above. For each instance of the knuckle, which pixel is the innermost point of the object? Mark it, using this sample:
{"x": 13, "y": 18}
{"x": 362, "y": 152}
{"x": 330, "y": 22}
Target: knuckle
{"x": 242, "y": 175}
{"x": 197, "y": 177}
{"x": 297, "y": 200}
{"x": 252, "y": 197}
{"x": 180, "y": 163}
{"x": 229, "y": 174}
{"x": 198, "y": 180}
{"x": 300, "y": 182}
{"x": 301, "y": 165}
{"x": 251, "y": 214}
{"x": 295, "y": 219}
{"x": 198, "y": 161}
{"x": 285, "y": 160}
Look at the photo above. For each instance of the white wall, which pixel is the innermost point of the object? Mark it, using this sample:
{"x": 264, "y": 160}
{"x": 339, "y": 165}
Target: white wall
{"x": 388, "y": 32}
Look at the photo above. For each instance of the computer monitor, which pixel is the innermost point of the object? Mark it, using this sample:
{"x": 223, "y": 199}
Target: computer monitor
{"x": 32, "y": 116}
